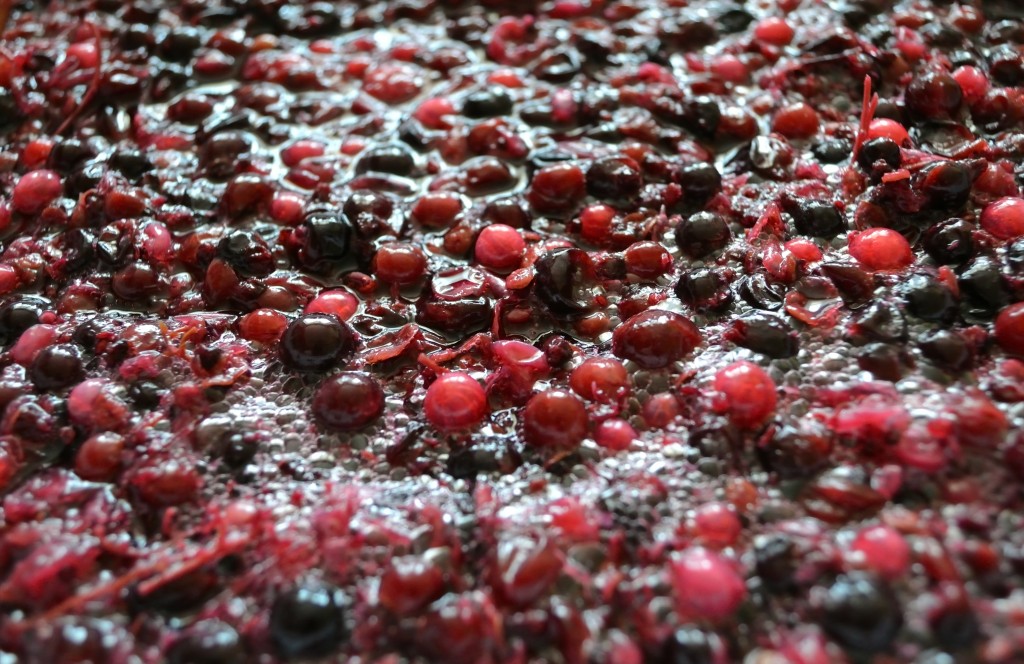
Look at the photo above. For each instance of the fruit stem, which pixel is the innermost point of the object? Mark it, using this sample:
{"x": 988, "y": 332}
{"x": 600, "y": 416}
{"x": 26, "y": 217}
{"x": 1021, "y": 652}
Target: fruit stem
{"x": 867, "y": 113}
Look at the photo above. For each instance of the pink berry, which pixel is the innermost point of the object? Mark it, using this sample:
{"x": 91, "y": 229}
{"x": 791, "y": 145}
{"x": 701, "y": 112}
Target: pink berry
{"x": 35, "y": 191}
{"x": 881, "y": 249}
{"x": 31, "y": 341}
{"x": 499, "y": 248}
{"x": 775, "y": 31}
{"x": 286, "y": 208}
{"x": 596, "y": 223}
{"x": 437, "y": 209}
{"x": 660, "y": 410}
{"x": 554, "y": 419}
{"x": 455, "y": 401}
{"x": 882, "y": 550}
{"x": 93, "y": 405}
{"x": 1009, "y": 330}
{"x": 748, "y": 393}
{"x": 409, "y": 584}
{"x": 706, "y": 585}
{"x": 1004, "y": 218}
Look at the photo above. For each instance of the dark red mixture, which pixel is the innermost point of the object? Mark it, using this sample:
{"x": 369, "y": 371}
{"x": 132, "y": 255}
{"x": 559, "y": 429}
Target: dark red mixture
{"x": 576, "y": 331}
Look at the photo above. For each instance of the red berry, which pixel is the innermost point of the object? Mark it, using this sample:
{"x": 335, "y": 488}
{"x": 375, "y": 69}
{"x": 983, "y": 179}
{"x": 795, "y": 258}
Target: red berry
{"x": 1004, "y": 218}
{"x": 600, "y": 379}
{"x": 99, "y": 457}
{"x": 796, "y": 121}
{"x": 886, "y": 128}
{"x": 499, "y": 248}
{"x": 775, "y": 31}
{"x": 554, "y": 419}
{"x": 437, "y": 210}
{"x": 337, "y": 302}
{"x": 263, "y": 325}
{"x": 300, "y": 150}
{"x": 35, "y": 191}
{"x": 557, "y": 189}
{"x": 706, "y": 585}
{"x": 882, "y": 550}
{"x": 660, "y": 410}
{"x": 347, "y": 401}
{"x": 92, "y": 404}
{"x": 409, "y": 584}
{"x": 647, "y": 260}
{"x": 455, "y": 401}
{"x": 1009, "y": 329}
{"x": 748, "y": 393}
{"x": 655, "y": 338}
{"x": 287, "y": 208}
{"x": 717, "y": 524}
{"x": 526, "y": 570}
{"x": 615, "y": 434}
{"x": 881, "y": 249}
{"x": 399, "y": 263}
{"x": 596, "y": 223}
{"x": 973, "y": 82}
{"x": 393, "y": 83}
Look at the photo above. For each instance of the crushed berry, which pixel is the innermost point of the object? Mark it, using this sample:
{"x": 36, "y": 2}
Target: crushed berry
{"x": 497, "y": 332}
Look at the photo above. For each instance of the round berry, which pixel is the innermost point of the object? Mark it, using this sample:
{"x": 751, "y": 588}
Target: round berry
{"x": 706, "y": 585}
{"x": 1009, "y": 329}
{"x": 554, "y": 419}
{"x": 647, "y": 260}
{"x": 748, "y": 393}
{"x": 500, "y": 248}
{"x": 399, "y": 263}
{"x": 57, "y": 366}
{"x": 861, "y": 613}
{"x": 100, "y": 457}
{"x": 263, "y": 325}
{"x": 557, "y": 189}
{"x": 315, "y": 342}
{"x": 600, "y": 379}
{"x": 881, "y": 249}
{"x": 934, "y": 95}
{"x": 339, "y": 303}
{"x": 306, "y": 622}
{"x": 455, "y": 401}
{"x": 1004, "y": 218}
{"x": 615, "y": 434}
{"x": 347, "y": 401}
{"x": 437, "y": 210}
{"x": 701, "y": 234}
{"x": 614, "y": 180}
{"x": 889, "y": 129}
{"x": 797, "y": 121}
{"x": 655, "y": 338}
{"x": 774, "y": 31}
{"x": 882, "y": 550}
{"x": 35, "y": 190}
{"x": 879, "y": 153}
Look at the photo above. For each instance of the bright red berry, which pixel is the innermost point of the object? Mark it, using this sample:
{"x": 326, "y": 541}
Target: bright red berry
{"x": 554, "y": 419}
{"x": 748, "y": 393}
{"x": 600, "y": 379}
{"x": 1004, "y": 218}
{"x": 882, "y": 550}
{"x": 1010, "y": 329}
{"x": 881, "y": 249}
{"x": 499, "y": 248}
{"x": 35, "y": 191}
{"x": 775, "y": 31}
{"x": 706, "y": 585}
{"x": 455, "y": 401}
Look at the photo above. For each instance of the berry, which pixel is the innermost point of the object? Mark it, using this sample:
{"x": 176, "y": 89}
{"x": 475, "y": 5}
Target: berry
{"x": 488, "y": 103}
{"x": 409, "y": 584}
{"x": 247, "y": 253}
{"x": 562, "y": 275}
{"x": 748, "y": 393}
{"x": 307, "y": 621}
{"x": 557, "y": 189}
{"x": 880, "y": 153}
{"x": 100, "y": 457}
{"x": 818, "y": 219}
{"x": 615, "y": 434}
{"x": 861, "y": 613}
{"x": 396, "y": 159}
{"x": 949, "y": 242}
{"x": 706, "y": 585}
{"x": 934, "y": 95}
{"x": 554, "y": 420}
{"x": 600, "y": 379}
{"x": 655, "y": 338}
{"x": 1004, "y": 218}
{"x": 393, "y": 83}
{"x": 208, "y": 641}
{"x": 701, "y": 234}
{"x": 700, "y": 182}
{"x": 882, "y": 550}
{"x": 774, "y": 31}
{"x": 35, "y": 190}
{"x": 797, "y": 121}
{"x": 455, "y": 401}
{"x": 948, "y": 186}
{"x": 316, "y": 342}
{"x": 881, "y": 249}
{"x": 614, "y": 180}
{"x": 499, "y": 248}
{"x": 338, "y": 303}
{"x": 1009, "y": 329}
{"x": 647, "y": 260}
{"x": 263, "y": 325}
{"x": 55, "y": 367}
{"x": 399, "y": 263}
{"x": 437, "y": 210}
{"x": 347, "y": 401}
{"x": 889, "y": 129}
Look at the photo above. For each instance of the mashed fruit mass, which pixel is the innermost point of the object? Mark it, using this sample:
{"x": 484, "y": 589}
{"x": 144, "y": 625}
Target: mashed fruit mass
{"x": 576, "y": 331}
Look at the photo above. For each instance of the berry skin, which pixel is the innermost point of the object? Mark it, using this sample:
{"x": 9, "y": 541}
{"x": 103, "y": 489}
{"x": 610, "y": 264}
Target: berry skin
{"x": 455, "y": 401}
{"x": 881, "y": 249}
{"x": 1010, "y": 329}
{"x": 499, "y": 248}
{"x": 748, "y": 393}
{"x": 339, "y": 303}
{"x": 1004, "y": 218}
{"x": 706, "y": 585}
{"x": 614, "y": 180}
{"x": 347, "y": 401}
{"x": 35, "y": 190}
{"x": 554, "y": 420}
{"x": 655, "y": 338}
